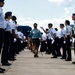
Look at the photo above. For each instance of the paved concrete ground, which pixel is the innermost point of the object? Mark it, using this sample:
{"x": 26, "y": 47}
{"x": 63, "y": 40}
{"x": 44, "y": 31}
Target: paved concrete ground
{"x": 26, "y": 64}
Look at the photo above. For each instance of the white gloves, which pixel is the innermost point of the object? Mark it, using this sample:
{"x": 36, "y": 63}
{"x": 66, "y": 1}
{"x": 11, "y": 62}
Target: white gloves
{"x": 52, "y": 42}
{"x": 42, "y": 28}
{"x": 21, "y": 41}
{"x": 15, "y": 40}
{"x": 64, "y": 42}
{"x": 70, "y": 40}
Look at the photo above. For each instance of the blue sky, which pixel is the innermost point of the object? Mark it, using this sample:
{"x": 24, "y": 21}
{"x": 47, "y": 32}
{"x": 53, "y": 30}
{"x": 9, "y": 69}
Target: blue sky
{"x": 41, "y": 11}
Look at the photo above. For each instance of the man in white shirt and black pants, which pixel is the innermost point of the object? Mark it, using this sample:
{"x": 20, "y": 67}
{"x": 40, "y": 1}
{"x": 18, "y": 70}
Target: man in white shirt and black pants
{"x": 4, "y": 58}
{"x": 49, "y": 40}
{"x": 13, "y": 35}
{"x": 63, "y": 41}
{"x": 68, "y": 40}
{"x": 73, "y": 18}
{"x": 1, "y": 28}
{"x": 53, "y": 42}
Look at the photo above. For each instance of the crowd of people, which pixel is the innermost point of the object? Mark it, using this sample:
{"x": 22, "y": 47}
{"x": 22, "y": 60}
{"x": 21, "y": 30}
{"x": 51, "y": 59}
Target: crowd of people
{"x": 12, "y": 40}
{"x": 54, "y": 42}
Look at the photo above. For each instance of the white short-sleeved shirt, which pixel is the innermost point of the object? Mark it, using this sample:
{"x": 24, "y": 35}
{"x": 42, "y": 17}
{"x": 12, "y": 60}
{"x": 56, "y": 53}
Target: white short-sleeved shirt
{"x": 63, "y": 32}
{"x": 44, "y": 37}
{"x": 20, "y": 34}
{"x": 58, "y": 34}
{"x": 49, "y": 34}
{"x": 68, "y": 30}
{"x": 24, "y": 37}
{"x": 1, "y": 18}
{"x": 53, "y": 32}
{"x": 13, "y": 26}
{"x": 7, "y": 25}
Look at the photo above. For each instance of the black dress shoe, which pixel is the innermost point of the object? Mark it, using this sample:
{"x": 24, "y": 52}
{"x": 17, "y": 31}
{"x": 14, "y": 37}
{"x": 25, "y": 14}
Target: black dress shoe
{"x": 73, "y": 62}
{"x": 6, "y": 64}
{"x": 68, "y": 60}
{"x": 62, "y": 58}
{"x": 12, "y": 59}
{"x": 36, "y": 56}
{"x": 59, "y": 55}
{"x": 2, "y": 69}
{"x": 54, "y": 57}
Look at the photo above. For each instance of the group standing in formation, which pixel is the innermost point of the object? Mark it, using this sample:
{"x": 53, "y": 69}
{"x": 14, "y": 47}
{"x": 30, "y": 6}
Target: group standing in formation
{"x": 54, "y": 42}
{"x": 12, "y": 40}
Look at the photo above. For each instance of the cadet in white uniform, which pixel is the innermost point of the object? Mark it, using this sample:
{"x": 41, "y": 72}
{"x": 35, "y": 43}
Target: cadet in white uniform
{"x": 13, "y": 35}
{"x": 51, "y": 40}
{"x": 68, "y": 40}
{"x": 54, "y": 42}
{"x": 1, "y": 28}
{"x": 63, "y": 41}
{"x": 4, "y": 60}
{"x": 43, "y": 43}
{"x": 58, "y": 36}
{"x": 73, "y": 18}
{"x": 21, "y": 37}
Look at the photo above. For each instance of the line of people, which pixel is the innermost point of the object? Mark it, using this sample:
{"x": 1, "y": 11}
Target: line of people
{"x": 12, "y": 40}
{"x": 53, "y": 42}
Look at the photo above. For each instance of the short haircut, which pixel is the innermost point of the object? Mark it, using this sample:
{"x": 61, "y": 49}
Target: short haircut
{"x": 7, "y": 14}
{"x": 1, "y": 0}
{"x": 56, "y": 29}
{"x": 14, "y": 18}
{"x": 67, "y": 22}
{"x": 73, "y": 14}
{"x": 35, "y": 24}
{"x": 47, "y": 29}
{"x": 50, "y": 24}
{"x": 62, "y": 25}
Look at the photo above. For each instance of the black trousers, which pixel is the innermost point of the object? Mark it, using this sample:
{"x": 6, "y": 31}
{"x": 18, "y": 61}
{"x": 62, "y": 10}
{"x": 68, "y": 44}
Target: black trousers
{"x": 64, "y": 48}
{"x": 74, "y": 47}
{"x": 1, "y": 38}
{"x": 11, "y": 50}
{"x": 54, "y": 48}
{"x": 49, "y": 46}
{"x": 4, "y": 58}
{"x": 68, "y": 48}
{"x": 43, "y": 46}
{"x": 58, "y": 41}
{"x": 18, "y": 46}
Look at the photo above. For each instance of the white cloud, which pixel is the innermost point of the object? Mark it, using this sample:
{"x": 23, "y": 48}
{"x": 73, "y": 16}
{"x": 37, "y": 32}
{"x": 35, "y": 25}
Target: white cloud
{"x": 67, "y": 3}
{"x": 67, "y": 10}
{"x": 57, "y": 1}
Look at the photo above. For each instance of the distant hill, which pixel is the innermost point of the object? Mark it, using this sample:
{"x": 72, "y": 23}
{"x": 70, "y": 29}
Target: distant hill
{"x": 25, "y": 29}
